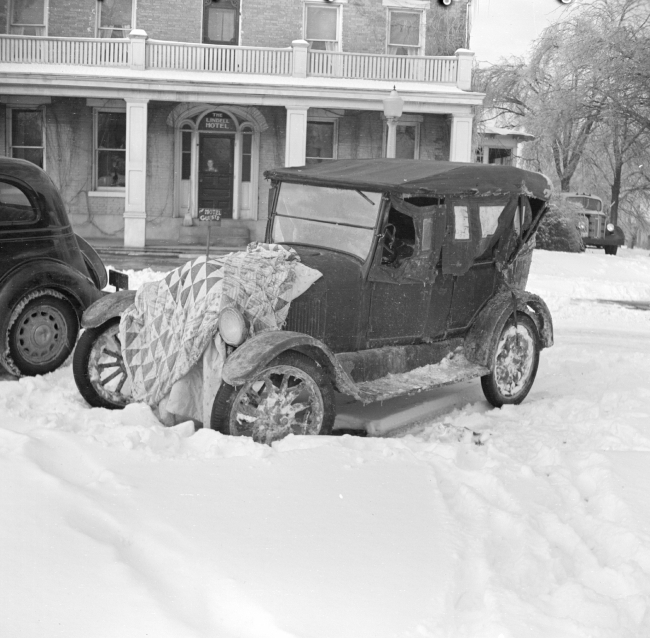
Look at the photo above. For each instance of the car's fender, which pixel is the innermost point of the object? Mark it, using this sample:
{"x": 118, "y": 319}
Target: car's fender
{"x": 482, "y": 338}
{"x": 258, "y": 351}
{"x": 109, "y": 306}
{"x": 93, "y": 262}
{"x": 49, "y": 274}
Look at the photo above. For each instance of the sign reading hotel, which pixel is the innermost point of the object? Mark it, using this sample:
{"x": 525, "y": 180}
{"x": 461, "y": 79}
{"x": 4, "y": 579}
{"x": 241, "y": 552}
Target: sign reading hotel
{"x": 209, "y": 214}
{"x": 217, "y": 121}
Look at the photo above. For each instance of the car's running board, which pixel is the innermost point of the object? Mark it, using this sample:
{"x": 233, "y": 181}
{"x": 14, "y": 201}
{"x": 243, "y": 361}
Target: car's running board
{"x": 452, "y": 369}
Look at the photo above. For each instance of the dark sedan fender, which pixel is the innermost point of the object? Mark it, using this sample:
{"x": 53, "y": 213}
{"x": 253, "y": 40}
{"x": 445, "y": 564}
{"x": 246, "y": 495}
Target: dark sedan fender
{"x": 109, "y": 306}
{"x": 258, "y": 351}
{"x": 482, "y": 339}
{"x": 46, "y": 274}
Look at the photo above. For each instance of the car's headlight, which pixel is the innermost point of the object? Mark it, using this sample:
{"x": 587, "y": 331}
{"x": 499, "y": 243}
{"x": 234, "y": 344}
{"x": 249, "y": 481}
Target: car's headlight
{"x": 610, "y": 228}
{"x": 232, "y": 326}
{"x": 581, "y": 226}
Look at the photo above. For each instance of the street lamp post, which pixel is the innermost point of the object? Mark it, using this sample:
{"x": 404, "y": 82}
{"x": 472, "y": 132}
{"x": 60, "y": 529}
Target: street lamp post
{"x": 393, "y": 106}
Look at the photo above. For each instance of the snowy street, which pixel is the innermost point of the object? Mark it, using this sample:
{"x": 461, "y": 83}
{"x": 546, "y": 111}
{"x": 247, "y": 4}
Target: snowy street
{"x": 531, "y": 521}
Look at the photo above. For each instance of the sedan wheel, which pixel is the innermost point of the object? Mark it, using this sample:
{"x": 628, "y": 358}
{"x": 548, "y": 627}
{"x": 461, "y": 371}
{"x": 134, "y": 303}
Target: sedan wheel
{"x": 43, "y": 334}
{"x": 292, "y": 395}
{"x": 99, "y": 369}
{"x": 514, "y": 365}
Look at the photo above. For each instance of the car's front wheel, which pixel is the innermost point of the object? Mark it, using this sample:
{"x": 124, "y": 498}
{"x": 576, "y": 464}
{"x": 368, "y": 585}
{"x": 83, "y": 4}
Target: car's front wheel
{"x": 611, "y": 250}
{"x": 42, "y": 332}
{"x": 98, "y": 367}
{"x": 292, "y": 394}
{"x": 515, "y": 363}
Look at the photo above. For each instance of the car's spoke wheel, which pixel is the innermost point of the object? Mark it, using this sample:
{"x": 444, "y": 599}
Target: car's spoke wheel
{"x": 292, "y": 395}
{"x": 98, "y": 367}
{"x": 515, "y": 363}
{"x": 42, "y": 334}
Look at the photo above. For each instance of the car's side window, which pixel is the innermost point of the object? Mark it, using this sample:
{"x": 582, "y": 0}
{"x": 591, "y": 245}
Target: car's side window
{"x": 15, "y": 206}
{"x": 399, "y": 239}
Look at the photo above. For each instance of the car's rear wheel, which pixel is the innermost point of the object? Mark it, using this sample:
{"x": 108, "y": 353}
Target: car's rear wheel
{"x": 98, "y": 367}
{"x": 291, "y": 395}
{"x": 42, "y": 333}
{"x": 515, "y": 362}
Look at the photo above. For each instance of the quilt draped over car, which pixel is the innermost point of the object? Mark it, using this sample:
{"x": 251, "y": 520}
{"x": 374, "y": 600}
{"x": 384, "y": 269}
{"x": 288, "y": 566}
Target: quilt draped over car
{"x": 166, "y": 331}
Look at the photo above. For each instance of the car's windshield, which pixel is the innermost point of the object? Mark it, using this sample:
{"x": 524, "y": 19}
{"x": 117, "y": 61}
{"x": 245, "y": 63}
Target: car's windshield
{"x": 328, "y": 217}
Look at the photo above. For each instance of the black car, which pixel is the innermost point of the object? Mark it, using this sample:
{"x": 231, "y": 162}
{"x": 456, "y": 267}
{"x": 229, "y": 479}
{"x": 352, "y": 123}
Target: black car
{"x": 48, "y": 275}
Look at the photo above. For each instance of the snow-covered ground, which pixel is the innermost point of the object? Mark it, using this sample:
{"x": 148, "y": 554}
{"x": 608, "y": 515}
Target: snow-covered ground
{"x": 526, "y": 522}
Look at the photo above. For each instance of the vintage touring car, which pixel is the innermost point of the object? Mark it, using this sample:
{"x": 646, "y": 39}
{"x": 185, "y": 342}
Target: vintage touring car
{"x": 424, "y": 266}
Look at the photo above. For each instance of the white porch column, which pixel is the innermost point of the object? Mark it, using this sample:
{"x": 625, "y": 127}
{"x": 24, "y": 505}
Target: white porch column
{"x": 460, "y": 144}
{"x": 135, "y": 212}
{"x": 296, "y": 139}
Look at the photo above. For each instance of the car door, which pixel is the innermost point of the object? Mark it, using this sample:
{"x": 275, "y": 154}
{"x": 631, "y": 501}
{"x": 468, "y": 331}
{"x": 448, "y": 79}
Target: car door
{"x": 402, "y": 286}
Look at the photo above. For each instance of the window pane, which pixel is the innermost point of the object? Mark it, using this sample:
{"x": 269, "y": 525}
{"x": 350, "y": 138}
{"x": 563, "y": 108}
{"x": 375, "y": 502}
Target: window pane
{"x": 26, "y": 128}
{"x": 14, "y": 205}
{"x": 33, "y": 155}
{"x": 246, "y": 157}
{"x": 405, "y": 144}
{"x": 500, "y": 156}
{"x": 186, "y": 156}
{"x": 28, "y": 12}
{"x": 404, "y": 28}
{"x": 111, "y": 168}
{"x": 221, "y": 24}
{"x": 321, "y": 23}
{"x": 320, "y": 140}
{"x": 111, "y": 130}
{"x": 116, "y": 13}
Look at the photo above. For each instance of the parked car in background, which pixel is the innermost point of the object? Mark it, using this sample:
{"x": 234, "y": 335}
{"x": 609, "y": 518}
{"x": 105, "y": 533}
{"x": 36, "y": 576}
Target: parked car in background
{"x": 48, "y": 275}
{"x": 424, "y": 266}
{"x": 595, "y": 228}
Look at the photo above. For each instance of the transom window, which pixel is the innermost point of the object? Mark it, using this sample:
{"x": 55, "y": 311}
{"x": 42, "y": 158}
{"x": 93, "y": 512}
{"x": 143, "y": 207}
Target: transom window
{"x": 110, "y": 149}
{"x": 321, "y": 141}
{"x": 27, "y": 17}
{"x": 322, "y": 28}
{"x": 27, "y": 135}
{"x": 115, "y": 18}
{"x": 221, "y": 21}
{"x": 405, "y": 32}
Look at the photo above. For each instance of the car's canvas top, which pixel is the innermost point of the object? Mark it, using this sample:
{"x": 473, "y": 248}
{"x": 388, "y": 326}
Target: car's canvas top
{"x": 423, "y": 177}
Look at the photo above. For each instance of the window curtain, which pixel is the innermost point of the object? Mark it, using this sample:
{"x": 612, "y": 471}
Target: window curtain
{"x": 404, "y": 36}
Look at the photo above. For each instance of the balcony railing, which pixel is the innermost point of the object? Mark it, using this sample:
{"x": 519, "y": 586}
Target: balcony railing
{"x": 139, "y": 53}
{"x": 224, "y": 59}
{"x": 76, "y": 51}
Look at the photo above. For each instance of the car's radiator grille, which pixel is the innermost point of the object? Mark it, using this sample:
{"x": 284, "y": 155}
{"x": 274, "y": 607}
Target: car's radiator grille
{"x": 305, "y": 316}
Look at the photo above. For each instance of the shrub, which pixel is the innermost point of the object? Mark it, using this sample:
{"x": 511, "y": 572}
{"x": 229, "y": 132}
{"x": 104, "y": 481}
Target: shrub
{"x": 558, "y": 229}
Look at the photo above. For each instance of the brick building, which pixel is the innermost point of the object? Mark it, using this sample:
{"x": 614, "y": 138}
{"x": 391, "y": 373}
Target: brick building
{"x": 145, "y": 112}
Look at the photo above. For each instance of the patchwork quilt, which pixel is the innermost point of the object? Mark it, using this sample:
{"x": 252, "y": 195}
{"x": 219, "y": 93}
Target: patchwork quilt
{"x": 172, "y": 321}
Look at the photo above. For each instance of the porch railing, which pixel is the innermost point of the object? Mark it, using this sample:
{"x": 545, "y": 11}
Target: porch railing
{"x": 383, "y": 67}
{"x": 224, "y": 59}
{"x": 76, "y": 51}
{"x": 138, "y": 52}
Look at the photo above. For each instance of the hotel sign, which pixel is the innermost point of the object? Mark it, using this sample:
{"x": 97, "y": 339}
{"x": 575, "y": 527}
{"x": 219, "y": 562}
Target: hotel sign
{"x": 217, "y": 121}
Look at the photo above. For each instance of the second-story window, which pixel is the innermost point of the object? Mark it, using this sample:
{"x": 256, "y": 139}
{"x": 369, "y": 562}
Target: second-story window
{"x": 27, "y": 17}
{"x": 115, "y": 18}
{"x": 221, "y": 21}
{"x": 322, "y": 27}
{"x": 405, "y": 32}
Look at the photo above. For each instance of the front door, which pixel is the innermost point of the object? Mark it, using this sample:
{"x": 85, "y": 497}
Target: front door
{"x": 216, "y": 162}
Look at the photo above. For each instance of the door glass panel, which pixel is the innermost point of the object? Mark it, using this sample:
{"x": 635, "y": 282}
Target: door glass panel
{"x": 216, "y": 155}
